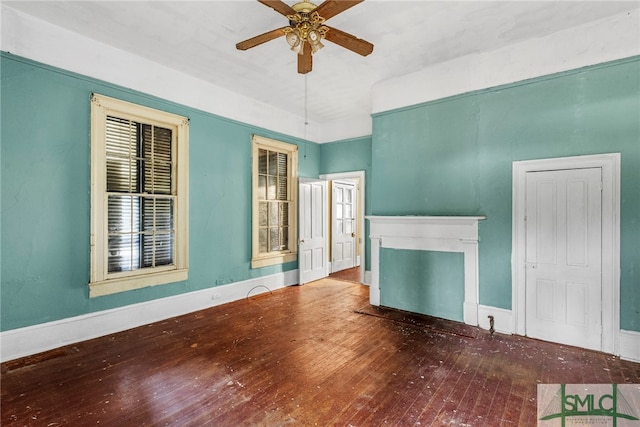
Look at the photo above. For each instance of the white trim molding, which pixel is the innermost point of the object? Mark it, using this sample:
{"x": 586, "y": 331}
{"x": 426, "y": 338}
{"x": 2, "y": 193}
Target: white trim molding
{"x": 30, "y": 340}
{"x": 429, "y": 233}
{"x": 367, "y": 277}
{"x": 610, "y": 166}
{"x": 630, "y": 345}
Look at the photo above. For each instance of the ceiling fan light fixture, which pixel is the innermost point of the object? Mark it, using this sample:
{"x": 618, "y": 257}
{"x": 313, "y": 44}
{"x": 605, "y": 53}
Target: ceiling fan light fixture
{"x": 314, "y": 37}
{"x": 299, "y": 48}
{"x": 293, "y": 37}
{"x": 295, "y": 40}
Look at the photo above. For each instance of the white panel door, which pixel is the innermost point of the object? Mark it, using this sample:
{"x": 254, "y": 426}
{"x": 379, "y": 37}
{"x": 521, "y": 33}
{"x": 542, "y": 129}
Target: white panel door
{"x": 312, "y": 250}
{"x": 564, "y": 257}
{"x": 343, "y": 235}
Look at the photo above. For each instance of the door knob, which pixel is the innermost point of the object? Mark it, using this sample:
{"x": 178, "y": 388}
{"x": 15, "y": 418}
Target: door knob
{"x": 353, "y": 234}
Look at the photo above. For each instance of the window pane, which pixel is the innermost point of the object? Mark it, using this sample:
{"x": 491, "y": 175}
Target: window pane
{"x": 147, "y": 250}
{"x": 123, "y": 252}
{"x": 262, "y": 187}
{"x": 121, "y": 136}
{"x": 282, "y": 164}
{"x": 274, "y": 239}
{"x": 347, "y": 196}
{"x": 274, "y": 218}
{"x": 339, "y": 211}
{"x": 263, "y": 216}
{"x": 339, "y": 226}
{"x": 164, "y": 249}
{"x": 164, "y": 214}
{"x": 263, "y": 240}
{"x": 271, "y": 189}
{"x": 284, "y": 238}
{"x": 156, "y": 151}
{"x": 347, "y": 211}
{"x": 273, "y": 163}
{"x": 282, "y": 188}
{"x": 157, "y": 249}
{"x": 283, "y": 214}
{"x": 121, "y": 147}
{"x": 262, "y": 162}
{"x": 161, "y": 178}
{"x": 120, "y": 213}
{"x": 348, "y": 226}
{"x": 148, "y": 217}
{"x": 339, "y": 195}
{"x": 162, "y": 145}
{"x": 119, "y": 175}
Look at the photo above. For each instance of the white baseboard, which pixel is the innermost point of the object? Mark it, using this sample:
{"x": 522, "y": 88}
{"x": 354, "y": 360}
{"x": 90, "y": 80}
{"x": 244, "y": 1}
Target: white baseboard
{"x": 502, "y": 319}
{"x": 630, "y": 345}
{"x": 47, "y": 336}
{"x": 367, "y": 277}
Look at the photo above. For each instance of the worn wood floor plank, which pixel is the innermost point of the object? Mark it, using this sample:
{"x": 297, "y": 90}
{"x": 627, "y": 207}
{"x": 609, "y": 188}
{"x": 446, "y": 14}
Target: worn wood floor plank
{"x": 312, "y": 355}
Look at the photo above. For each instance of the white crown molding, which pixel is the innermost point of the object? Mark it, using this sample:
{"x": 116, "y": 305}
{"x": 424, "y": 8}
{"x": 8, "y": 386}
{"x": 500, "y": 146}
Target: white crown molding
{"x": 593, "y": 43}
{"x": 38, "y": 40}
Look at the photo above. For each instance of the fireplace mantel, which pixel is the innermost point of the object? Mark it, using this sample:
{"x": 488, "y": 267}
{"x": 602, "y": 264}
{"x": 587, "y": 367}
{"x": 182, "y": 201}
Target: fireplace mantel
{"x": 429, "y": 233}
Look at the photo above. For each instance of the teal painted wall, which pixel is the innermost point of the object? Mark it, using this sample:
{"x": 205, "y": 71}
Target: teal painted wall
{"x": 348, "y": 156}
{"x": 454, "y": 157}
{"x": 45, "y": 182}
{"x": 422, "y": 282}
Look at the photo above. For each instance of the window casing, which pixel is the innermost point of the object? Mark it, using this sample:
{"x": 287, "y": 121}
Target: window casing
{"x": 139, "y": 190}
{"x": 275, "y": 191}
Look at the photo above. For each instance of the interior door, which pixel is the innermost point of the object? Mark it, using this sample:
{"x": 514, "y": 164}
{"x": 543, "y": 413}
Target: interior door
{"x": 313, "y": 223}
{"x": 343, "y": 235}
{"x": 564, "y": 256}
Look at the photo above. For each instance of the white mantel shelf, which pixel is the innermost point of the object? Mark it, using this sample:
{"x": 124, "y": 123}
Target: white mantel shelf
{"x": 429, "y": 233}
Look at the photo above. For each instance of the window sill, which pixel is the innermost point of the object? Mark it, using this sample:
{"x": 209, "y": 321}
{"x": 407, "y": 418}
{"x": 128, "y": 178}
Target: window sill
{"x": 274, "y": 260}
{"x": 112, "y": 286}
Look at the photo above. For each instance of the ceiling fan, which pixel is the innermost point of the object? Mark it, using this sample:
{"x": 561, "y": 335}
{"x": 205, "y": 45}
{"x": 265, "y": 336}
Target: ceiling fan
{"x": 306, "y": 30}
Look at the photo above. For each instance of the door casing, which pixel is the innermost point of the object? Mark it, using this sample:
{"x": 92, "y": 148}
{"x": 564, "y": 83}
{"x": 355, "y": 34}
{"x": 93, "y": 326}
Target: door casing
{"x": 360, "y": 176}
{"x": 610, "y": 165}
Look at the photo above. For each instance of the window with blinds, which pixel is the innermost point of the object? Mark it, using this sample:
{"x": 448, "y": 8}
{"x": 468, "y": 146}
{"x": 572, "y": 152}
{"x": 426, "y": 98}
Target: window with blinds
{"x": 139, "y": 196}
{"x": 141, "y": 230}
{"x": 274, "y": 201}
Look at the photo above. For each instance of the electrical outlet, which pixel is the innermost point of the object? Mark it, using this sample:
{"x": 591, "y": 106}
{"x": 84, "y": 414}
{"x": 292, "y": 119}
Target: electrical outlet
{"x": 215, "y": 296}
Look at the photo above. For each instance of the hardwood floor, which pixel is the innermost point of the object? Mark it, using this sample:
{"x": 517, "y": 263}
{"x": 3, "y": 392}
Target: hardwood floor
{"x": 309, "y": 355}
{"x": 350, "y": 275}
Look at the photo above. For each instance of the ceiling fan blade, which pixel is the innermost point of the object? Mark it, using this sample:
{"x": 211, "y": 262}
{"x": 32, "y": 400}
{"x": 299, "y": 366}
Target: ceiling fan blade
{"x": 279, "y": 6}
{"x": 262, "y": 38}
{"x": 305, "y": 61}
{"x": 331, "y": 8}
{"x": 348, "y": 41}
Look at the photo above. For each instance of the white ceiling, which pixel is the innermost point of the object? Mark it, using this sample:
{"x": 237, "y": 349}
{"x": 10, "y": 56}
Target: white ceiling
{"x": 199, "y": 37}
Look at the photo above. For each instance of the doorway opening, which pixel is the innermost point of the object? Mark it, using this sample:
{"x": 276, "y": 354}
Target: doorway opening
{"x": 349, "y": 275}
{"x": 359, "y": 178}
